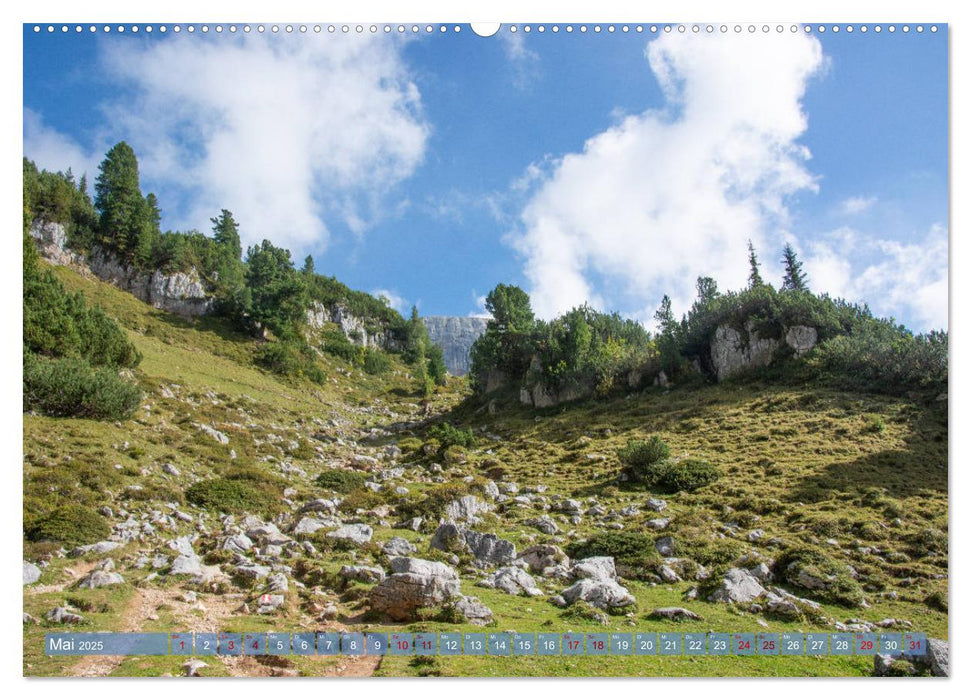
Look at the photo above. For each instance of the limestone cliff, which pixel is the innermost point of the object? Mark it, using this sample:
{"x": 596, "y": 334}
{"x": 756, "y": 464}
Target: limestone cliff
{"x": 181, "y": 293}
{"x": 455, "y": 334}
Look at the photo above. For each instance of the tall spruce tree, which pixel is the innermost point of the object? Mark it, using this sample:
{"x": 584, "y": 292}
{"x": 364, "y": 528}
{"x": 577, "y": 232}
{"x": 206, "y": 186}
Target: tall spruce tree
{"x": 229, "y": 266}
{"x": 754, "y": 274}
{"x": 126, "y": 218}
{"x": 308, "y": 266}
{"x": 225, "y": 231}
{"x": 794, "y": 278}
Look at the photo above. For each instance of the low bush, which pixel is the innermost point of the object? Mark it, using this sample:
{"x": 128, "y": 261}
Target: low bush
{"x": 340, "y": 480}
{"x": 289, "y": 360}
{"x": 689, "y": 475}
{"x": 69, "y": 525}
{"x": 448, "y": 435}
{"x": 235, "y": 496}
{"x": 640, "y": 455}
{"x": 70, "y": 387}
{"x": 632, "y": 550}
{"x": 812, "y": 569}
{"x": 376, "y": 362}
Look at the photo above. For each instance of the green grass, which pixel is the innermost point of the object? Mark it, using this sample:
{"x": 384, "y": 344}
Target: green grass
{"x": 804, "y": 464}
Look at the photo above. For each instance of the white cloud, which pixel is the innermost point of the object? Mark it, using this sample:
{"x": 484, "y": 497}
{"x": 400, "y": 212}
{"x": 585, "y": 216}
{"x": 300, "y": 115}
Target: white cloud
{"x": 670, "y": 194}
{"x": 52, "y": 150}
{"x": 393, "y": 299}
{"x": 289, "y": 133}
{"x": 480, "y": 307}
{"x": 896, "y": 279}
{"x": 523, "y": 61}
{"x": 857, "y": 205}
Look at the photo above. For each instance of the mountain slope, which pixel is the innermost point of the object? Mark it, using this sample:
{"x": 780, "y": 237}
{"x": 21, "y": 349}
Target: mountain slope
{"x": 862, "y": 478}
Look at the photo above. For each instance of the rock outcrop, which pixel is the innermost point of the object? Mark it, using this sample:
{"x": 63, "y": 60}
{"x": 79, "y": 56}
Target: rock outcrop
{"x": 181, "y": 293}
{"x": 356, "y": 329}
{"x": 455, "y": 334}
{"x": 413, "y": 584}
{"x": 733, "y": 351}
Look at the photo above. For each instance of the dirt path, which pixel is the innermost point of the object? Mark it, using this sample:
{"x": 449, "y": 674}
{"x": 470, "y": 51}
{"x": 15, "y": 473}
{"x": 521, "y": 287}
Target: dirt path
{"x": 75, "y": 572}
{"x": 142, "y": 604}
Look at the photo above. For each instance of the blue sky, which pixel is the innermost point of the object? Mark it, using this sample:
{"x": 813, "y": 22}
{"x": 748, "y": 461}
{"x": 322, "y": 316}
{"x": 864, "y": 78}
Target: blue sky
{"x": 610, "y": 168}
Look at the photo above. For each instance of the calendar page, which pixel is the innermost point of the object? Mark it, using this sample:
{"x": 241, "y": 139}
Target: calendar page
{"x": 537, "y": 349}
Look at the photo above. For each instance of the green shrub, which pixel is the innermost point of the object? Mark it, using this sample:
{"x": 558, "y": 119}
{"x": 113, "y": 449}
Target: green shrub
{"x": 886, "y": 357}
{"x": 640, "y": 455}
{"x": 70, "y": 387}
{"x": 409, "y": 444}
{"x": 711, "y": 553}
{"x": 928, "y": 541}
{"x": 937, "y": 601}
{"x": 634, "y": 550}
{"x": 800, "y": 564}
{"x": 340, "y": 480}
{"x": 335, "y": 343}
{"x": 290, "y": 360}
{"x": 234, "y": 496}
{"x": 162, "y": 494}
{"x": 70, "y": 525}
{"x": 687, "y": 475}
{"x": 873, "y": 424}
{"x": 376, "y": 362}
{"x": 448, "y": 435}
{"x": 431, "y": 503}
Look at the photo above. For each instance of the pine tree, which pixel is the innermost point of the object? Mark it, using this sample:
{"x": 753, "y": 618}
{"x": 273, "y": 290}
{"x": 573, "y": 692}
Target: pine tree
{"x": 665, "y": 317}
{"x": 754, "y": 275}
{"x": 308, "y": 266}
{"x": 794, "y": 278}
{"x": 225, "y": 231}
{"x": 124, "y": 214}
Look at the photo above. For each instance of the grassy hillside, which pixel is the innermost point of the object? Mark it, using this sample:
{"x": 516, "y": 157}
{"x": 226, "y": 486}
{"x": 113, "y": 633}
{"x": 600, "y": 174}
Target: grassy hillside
{"x": 862, "y": 478}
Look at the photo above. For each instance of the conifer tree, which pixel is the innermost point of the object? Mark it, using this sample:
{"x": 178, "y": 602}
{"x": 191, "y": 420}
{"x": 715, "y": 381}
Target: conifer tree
{"x": 308, "y": 265}
{"x": 794, "y": 278}
{"x": 754, "y": 275}
{"x": 125, "y": 217}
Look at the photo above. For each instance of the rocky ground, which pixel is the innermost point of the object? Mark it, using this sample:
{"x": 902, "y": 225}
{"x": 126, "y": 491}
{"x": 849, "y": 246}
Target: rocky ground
{"x": 364, "y": 521}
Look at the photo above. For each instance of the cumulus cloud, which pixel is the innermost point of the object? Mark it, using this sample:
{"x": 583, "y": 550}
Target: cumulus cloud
{"x": 393, "y": 299}
{"x": 523, "y": 61}
{"x": 898, "y": 277}
{"x": 676, "y": 192}
{"x": 857, "y": 205}
{"x": 480, "y": 310}
{"x": 291, "y": 135}
{"x": 52, "y": 150}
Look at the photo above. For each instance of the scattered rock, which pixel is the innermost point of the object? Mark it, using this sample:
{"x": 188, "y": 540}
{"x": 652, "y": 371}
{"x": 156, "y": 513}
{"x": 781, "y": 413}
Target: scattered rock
{"x": 308, "y": 525}
{"x": 414, "y": 583}
{"x": 472, "y": 610}
{"x": 268, "y": 603}
{"x": 31, "y": 573}
{"x": 358, "y": 533}
{"x": 362, "y": 574}
{"x": 656, "y": 504}
{"x": 675, "y": 614}
{"x": 216, "y": 435}
{"x": 599, "y": 592}
{"x": 99, "y": 578}
{"x": 594, "y": 568}
{"x": 64, "y": 616}
{"x": 467, "y": 508}
{"x": 514, "y": 581}
{"x": 398, "y": 547}
{"x": 544, "y": 524}
{"x": 193, "y": 666}
{"x": 737, "y": 586}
